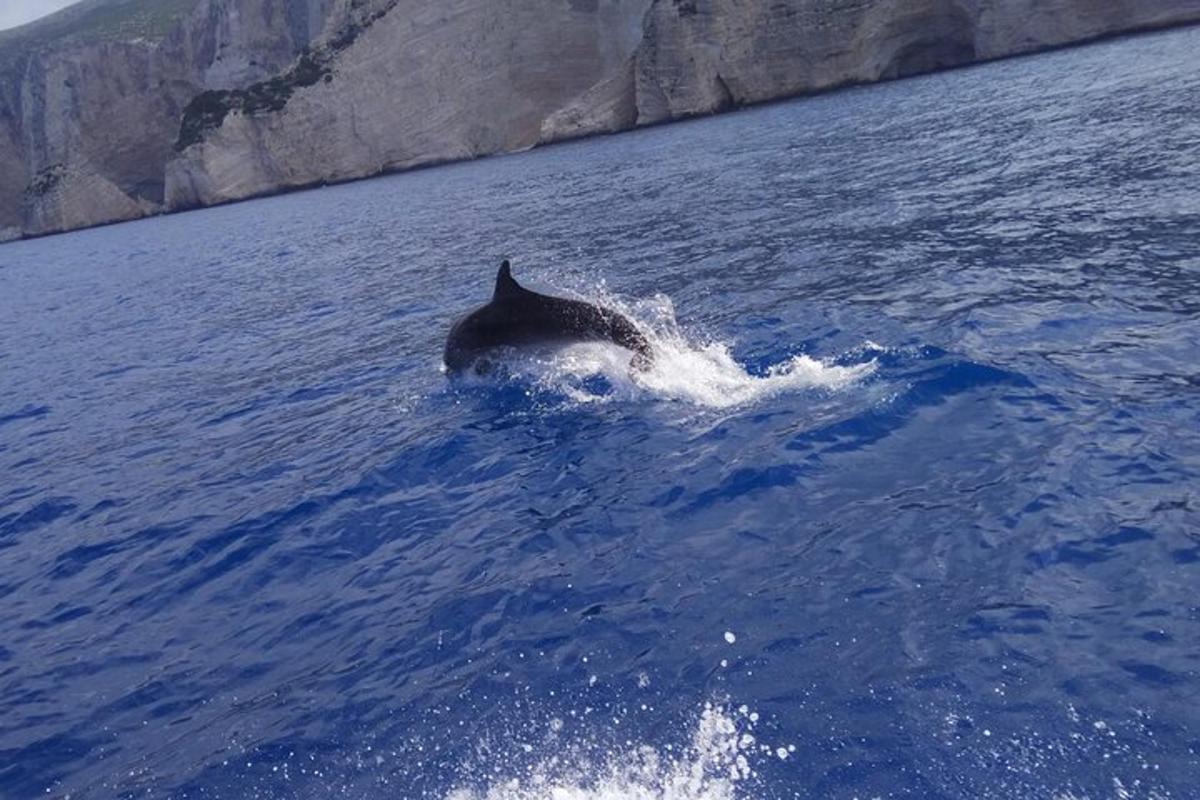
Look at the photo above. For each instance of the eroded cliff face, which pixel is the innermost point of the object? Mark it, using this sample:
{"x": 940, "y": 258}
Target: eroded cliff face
{"x": 88, "y": 123}
{"x": 237, "y": 98}
{"x": 700, "y": 56}
{"x": 420, "y": 82}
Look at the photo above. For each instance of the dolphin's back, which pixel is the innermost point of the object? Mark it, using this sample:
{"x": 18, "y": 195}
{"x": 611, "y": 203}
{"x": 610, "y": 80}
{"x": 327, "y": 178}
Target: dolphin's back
{"x": 518, "y": 317}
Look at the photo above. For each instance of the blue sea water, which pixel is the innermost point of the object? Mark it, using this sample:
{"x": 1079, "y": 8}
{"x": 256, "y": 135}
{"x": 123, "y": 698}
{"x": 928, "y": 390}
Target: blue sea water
{"x": 908, "y": 507}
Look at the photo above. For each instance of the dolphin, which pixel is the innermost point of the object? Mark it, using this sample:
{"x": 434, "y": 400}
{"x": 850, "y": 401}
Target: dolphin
{"x": 517, "y": 317}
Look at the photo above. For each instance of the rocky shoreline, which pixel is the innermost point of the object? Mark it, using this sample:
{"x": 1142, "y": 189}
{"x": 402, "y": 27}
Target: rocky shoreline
{"x": 237, "y": 99}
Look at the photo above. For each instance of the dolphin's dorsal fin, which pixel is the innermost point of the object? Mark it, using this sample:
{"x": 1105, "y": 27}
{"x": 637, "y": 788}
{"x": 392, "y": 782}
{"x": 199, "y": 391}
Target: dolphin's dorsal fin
{"x": 506, "y": 286}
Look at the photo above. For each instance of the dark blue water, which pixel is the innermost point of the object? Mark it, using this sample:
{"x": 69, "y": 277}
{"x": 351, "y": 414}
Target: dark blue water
{"x": 908, "y": 508}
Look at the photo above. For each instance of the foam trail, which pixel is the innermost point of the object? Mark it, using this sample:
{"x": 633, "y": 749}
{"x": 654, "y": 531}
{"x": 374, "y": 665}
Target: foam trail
{"x": 702, "y": 374}
{"x": 713, "y": 766}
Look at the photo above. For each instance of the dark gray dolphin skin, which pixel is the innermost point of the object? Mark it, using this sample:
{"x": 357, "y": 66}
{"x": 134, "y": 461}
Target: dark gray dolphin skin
{"x": 518, "y": 317}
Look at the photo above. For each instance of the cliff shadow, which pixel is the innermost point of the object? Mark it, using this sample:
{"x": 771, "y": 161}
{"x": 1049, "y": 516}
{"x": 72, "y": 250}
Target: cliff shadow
{"x": 927, "y": 37}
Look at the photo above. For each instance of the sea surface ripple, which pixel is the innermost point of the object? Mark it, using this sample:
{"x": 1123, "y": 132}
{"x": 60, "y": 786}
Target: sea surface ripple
{"x": 908, "y": 508}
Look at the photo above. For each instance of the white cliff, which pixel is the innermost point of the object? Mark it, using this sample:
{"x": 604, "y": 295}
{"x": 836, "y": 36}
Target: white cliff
{"x": 107, "y": 116}
{"x": 699, "y": 56}
{"x": 91, "y": 98}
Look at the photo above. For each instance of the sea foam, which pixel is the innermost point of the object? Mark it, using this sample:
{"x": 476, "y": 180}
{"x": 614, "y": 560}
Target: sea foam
{"x": 685, "y": 368}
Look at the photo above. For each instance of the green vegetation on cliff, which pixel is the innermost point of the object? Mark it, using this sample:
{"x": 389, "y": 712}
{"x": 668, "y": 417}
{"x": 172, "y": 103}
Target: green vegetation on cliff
{"x": 94, "y": 20}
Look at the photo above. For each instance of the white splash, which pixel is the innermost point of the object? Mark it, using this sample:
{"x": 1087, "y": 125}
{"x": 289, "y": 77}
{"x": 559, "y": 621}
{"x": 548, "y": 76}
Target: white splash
{"x": 711, "y": 767}
{"x": 708, "y": 376}
{"x": 703, "y": 374}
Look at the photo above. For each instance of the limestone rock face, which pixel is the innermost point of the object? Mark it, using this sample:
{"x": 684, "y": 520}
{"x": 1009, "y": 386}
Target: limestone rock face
{"x": 699, "y": 56}
{"x": 115, "y": 109}
{"x": 88, "y": 117}
{"x": 14, "y": 177}
{"x": 608, "y": 106}
{"x": 93, "y": 151}
{"x": 427, "y": 82}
